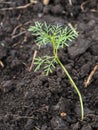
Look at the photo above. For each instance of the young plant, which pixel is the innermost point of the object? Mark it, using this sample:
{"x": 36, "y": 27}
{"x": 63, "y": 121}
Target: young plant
{"x": 58, "y": 37}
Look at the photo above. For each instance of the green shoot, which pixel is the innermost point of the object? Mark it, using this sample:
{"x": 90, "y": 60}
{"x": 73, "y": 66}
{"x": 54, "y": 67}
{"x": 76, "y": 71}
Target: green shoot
{"x": 58, "y": 37}
{"x": 48, "y": 62}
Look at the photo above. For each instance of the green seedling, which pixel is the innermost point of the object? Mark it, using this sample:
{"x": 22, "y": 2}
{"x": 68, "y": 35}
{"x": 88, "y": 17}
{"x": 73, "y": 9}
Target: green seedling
{"x": 58, "y": 36}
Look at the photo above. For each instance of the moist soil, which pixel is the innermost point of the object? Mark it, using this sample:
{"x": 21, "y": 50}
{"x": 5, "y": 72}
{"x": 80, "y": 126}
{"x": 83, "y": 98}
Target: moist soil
{"x": 30, "y": 100}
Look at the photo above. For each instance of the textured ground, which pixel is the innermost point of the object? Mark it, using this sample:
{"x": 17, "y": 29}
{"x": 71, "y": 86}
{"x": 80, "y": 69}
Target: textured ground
{"x": 32, "y": 101}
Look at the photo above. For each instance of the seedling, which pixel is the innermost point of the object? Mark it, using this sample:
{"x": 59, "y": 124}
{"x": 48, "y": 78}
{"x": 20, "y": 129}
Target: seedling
{"x": 58, "y": 36}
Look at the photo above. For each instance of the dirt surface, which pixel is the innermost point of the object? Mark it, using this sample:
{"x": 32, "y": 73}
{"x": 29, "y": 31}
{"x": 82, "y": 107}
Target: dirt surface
{"x": 32, "y": 101}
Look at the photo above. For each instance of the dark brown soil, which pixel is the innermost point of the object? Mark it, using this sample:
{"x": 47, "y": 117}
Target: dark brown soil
{"x": 32, "y": 101}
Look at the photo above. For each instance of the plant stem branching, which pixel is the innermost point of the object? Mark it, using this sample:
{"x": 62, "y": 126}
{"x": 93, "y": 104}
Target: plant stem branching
{"x": 59, "y": 37}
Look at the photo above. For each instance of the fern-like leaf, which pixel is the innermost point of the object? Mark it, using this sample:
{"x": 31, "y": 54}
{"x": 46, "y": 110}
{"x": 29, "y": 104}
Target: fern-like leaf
{"x": 47, "y": 62}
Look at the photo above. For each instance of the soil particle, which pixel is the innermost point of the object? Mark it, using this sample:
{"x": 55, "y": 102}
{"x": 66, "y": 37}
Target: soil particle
{"x": 94, "y": 34}
{"x": 15, "y": 63}
{"x": 95, "y": 124}
{"x": 7, "y": 27}
{"x": 7, "y": 86}
{"x": 85, "y": 69}
{"x": 46, "y": 9}
{"x": 96, "y": 82}
{"x": 57, "y": 1}
{"x": 87, "y": 127}
{"x": 94, "y": 49}
{"x": 75, "y": 126}
{"x": 38, "y": 7}
{"x": 83, "y": 27}
{"x": 79, "y": 48}
{"x": 57, "y": 9}
{"x": 54, "y": 21}
{"x": 3, "y": 51}
{"x": 87, "y": 110}
{"x": 91, "y": 23}
{"x": 62, "y": 106}
{"x": 57, "y": 84}
{"x": 28, "y": 125}
{"x": 13, "y": 53}
{"x": 96, "y": 75}
{"x": 58, "y": 124}
{"x": 44, "y": 127}
{"x": 95, "y": 102}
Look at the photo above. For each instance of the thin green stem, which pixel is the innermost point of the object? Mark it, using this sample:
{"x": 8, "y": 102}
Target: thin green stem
{"x": 74, "y": 85}
{"x": 55, "y": 52}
